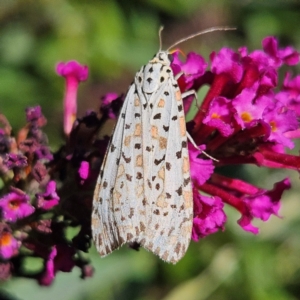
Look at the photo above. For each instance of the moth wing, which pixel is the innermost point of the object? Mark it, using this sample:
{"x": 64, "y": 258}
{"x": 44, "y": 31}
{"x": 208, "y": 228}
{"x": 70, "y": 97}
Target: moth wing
{"x": 114, "y": 217}
{"x": 170, "y": 220}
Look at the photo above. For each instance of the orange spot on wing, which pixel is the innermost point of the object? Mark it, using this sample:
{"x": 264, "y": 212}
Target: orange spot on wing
{"x": 161, "y": 103}
{"x": 139, "y": 161}
{"x": 178, "y": 95}
{"x": 117, "y": 197}
{"x": 161, "y": 173}
{"x": 161, "y": 202}
{"x": 182, "y": 126}
{"x": 162, "y": 143}
{"x": 136, "y": 102}
{"x": 154, "y": 132}
{"x": 185, "y": 165}
{"x": 121, "y": 171}
{"x": 187, "y": 196}
{"x": 138, "y": 130}
{"x": 127, "y": 140}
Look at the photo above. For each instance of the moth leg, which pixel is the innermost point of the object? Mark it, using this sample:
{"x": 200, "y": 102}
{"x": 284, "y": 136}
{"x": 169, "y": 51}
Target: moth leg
{"x": 178, "y": 75}
{"x": 189, "y": 93}
{"x": 195, "y": 145}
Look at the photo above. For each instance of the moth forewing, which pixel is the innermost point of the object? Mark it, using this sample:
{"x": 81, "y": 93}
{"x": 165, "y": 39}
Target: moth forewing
{"x": 109, "y": 228}
{"x": 144, "y": 194}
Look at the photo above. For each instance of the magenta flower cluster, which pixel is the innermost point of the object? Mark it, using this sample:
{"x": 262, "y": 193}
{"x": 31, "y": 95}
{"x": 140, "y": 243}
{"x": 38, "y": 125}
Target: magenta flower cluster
{"x": 245, "y": 118}
{"x": 33, "y": 215}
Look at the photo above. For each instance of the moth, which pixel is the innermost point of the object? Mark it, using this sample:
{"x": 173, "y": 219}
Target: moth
{"x": 143, "y": 193}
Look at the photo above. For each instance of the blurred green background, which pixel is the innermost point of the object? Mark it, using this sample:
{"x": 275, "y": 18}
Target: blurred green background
{"x": 114, "y": 38}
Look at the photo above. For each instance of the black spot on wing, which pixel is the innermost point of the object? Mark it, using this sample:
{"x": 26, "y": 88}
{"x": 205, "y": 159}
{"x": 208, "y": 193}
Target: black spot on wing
{"x": 127, "y": 159}
{"x": 157, "y": 116}
{"x": 139, "y": 175}
{"x": 178, "y": 154}
{"x": 158, "y": 161}
{"x": 179, "y": 191}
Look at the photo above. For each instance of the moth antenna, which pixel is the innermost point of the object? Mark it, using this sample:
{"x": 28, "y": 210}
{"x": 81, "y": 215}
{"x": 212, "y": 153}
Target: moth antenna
{"x": 160, "y": 38}
{"x": 200, "y": 33}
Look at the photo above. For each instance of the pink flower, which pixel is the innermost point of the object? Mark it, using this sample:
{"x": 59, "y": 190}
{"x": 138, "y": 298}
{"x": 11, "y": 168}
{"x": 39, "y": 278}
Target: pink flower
{"x": 241, "y": 120}
{"x": 74, "y": 73}
{"x": 15, "y": 205}
{"x": 49, "y": 198}
{"x": 8, "y": 244}
{"x": 84, "y": 170}
{"x": 111, "y": 105}
{"x": 60, "y": 258}
{"x": 209, "y": 216}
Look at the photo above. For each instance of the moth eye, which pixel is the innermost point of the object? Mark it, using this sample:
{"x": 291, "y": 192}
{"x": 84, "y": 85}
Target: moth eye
{"x": 170, "y": 57}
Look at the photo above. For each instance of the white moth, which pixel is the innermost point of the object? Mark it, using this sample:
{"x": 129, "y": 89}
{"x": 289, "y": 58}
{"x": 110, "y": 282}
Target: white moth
{"x": 143, "y": 194}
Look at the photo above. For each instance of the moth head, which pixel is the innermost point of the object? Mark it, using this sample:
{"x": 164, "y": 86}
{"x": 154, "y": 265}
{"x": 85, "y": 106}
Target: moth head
{"x": 162, "y": 57}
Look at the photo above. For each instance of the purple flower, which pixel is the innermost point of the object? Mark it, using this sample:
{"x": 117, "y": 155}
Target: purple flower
{"x": 241, "y": 120}
{"x": 39, "y": 172}
{"x": 193, "y": 69}
{"x": 15, "y": 205}
{"x": 286, "y": 55}
{"x": 281, "y": 120}
{"x": 13, "y": 160}
{"x": 209, "y": 216}
{"x": 43, "y": 152}
{"x": 48, "y": 275}
{"x": 60, "y": 259}
{"x": 219, "y": 116}
{"x": 262, "y": 205}
{"x": 226, "y": 62}
{"x": 33, "y": 113}
{"x": 200, "y": 169}
{"x": 84, "y": 170}
{"x": 111, "y": 105}
{"x": 49, "y": 198}
{"x": 247, "y": 108}
{"x": 73, "y": 73}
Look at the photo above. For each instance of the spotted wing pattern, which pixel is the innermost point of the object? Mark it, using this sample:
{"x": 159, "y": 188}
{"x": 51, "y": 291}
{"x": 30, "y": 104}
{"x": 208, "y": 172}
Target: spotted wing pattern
{"x": 143, "y": 193}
